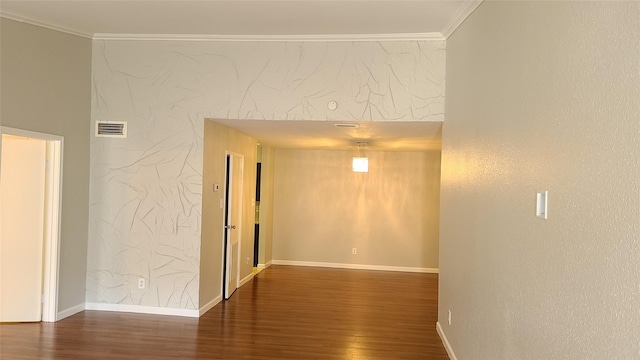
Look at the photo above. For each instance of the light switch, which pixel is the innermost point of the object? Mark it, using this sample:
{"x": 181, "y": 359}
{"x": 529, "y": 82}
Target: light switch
{"x": 541, "y": 204}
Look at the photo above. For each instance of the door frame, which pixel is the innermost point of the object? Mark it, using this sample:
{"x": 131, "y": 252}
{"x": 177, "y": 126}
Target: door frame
{"x": 52, "y": 220}
{"x": 225, "y": 213}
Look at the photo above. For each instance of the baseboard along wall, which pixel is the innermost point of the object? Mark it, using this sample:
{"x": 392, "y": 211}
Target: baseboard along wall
{"x": 445, "y": 342}
{"x": 357, "y": 266}
{"x": 142, "y": 309}
{"x": 149, "y": 309}
{"x": 246, "y": 279}
{"x": 70, "y": 311}
{"x": 208, "y": 306}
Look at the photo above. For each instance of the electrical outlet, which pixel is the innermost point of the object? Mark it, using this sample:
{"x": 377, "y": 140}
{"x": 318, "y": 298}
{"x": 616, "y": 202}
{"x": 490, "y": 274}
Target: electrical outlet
{"x": 142, "y": 283}
{"x": 354, "y": 251}
{"x": 449, "y": 317}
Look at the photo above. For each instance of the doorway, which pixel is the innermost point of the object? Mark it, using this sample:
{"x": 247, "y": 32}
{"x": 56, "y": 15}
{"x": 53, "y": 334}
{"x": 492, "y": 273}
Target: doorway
{"x": 232, "y": 223}
{"x": 256, "y": 236}
{"x": 30, "y": 193}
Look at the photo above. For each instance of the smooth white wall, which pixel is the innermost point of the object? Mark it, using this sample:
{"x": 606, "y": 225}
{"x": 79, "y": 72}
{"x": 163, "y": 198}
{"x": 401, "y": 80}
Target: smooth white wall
{"x": 322, "y": 209}
{"x": 542, "y": 96}
{"x": 146, "y": 190}
{"x": 46, "y": 87}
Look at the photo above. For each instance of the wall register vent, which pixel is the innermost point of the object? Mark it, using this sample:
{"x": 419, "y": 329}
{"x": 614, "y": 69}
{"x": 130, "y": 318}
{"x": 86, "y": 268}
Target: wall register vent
{"x": 113, "y": 129}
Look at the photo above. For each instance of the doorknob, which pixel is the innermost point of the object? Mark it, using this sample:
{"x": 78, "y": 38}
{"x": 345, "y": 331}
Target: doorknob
{"x": 232, "y": 227}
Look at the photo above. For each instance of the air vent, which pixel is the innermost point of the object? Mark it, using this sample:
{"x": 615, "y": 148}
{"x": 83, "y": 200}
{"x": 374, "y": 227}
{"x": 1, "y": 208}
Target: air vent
{"x": 113, "y": 129}
{"x": 346, "y": 125}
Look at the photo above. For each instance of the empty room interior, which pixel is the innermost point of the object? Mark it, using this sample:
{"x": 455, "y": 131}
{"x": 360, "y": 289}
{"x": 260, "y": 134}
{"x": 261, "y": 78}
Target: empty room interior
{"x": 194, "y": 168}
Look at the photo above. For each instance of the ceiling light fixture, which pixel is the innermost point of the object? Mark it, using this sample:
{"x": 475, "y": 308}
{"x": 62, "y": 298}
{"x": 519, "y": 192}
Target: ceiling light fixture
{"x": 360, "y": 163}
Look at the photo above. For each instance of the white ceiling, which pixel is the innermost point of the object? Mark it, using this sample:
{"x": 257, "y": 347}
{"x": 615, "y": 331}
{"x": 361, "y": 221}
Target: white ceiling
{"x": 264, "y": 20}
{"x": 96, "y": 18}
{"x": 324, "y": 135}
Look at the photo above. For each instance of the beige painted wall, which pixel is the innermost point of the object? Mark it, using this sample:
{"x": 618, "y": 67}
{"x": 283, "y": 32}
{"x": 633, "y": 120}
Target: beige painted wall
{"x": 322, "y": 209}
{"x": 217, "y": 140}
{"x": 266, "y": 205}
{"x": 46, "y": 87}
{"x": 542, "y": 96}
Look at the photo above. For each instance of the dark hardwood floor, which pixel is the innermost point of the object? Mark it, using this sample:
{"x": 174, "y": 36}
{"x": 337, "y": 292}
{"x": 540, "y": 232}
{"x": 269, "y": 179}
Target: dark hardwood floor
{"x": 284, "y": 313}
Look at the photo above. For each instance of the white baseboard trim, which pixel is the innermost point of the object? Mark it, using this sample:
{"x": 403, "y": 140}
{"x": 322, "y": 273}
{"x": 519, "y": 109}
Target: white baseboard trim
{"x": 142, "y": 309}
{"x": 357, "y": 266}
{"x": 445, "y": 342}
{"x": 208, "y": 306}
{"x": 246, "y": 279}
{"x": 70, "y": 311}
{"x": 264, "y": 266}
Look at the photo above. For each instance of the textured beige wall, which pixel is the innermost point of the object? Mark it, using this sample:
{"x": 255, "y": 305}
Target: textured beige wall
{"x": 266, "y": 205}
{"x": 542, "y": 96}
{"x": 46, "y": 87}
{"x": 217, "y": 140}
{"x": 322, "y": 209}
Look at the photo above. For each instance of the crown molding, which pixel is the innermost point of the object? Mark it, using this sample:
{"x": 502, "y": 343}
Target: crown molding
{"x": 432, "y": 36}
{"x": 35, "y": 22}
{"x": 272, "y": 38}
{"x": 464, "y": 10}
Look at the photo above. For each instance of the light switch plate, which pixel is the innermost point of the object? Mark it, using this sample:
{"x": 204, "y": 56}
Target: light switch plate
{"x": 542, "y": 199}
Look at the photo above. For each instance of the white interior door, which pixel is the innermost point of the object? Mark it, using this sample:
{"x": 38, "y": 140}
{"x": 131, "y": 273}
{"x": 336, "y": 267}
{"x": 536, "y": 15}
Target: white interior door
{"x": 233, "y": 223}
{"x": 22, "y": 201}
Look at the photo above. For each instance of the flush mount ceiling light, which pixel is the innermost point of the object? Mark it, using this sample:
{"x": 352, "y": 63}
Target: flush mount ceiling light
{"x": 360, "y": 163}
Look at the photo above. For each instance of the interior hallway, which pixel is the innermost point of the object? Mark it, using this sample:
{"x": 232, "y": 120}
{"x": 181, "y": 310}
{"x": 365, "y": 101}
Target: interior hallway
{"x": 284, "y": 313}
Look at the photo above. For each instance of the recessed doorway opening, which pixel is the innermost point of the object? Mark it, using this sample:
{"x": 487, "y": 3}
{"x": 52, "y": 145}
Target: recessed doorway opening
{"x": 30, "y": 198}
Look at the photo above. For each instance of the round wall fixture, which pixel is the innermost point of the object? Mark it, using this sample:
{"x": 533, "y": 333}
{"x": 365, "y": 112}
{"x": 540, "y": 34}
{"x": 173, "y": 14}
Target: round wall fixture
{"x": 332, "y": 105}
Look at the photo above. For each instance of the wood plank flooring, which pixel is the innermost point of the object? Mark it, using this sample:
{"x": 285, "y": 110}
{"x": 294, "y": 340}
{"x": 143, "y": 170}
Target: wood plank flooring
{"x": 284, "y": 313}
